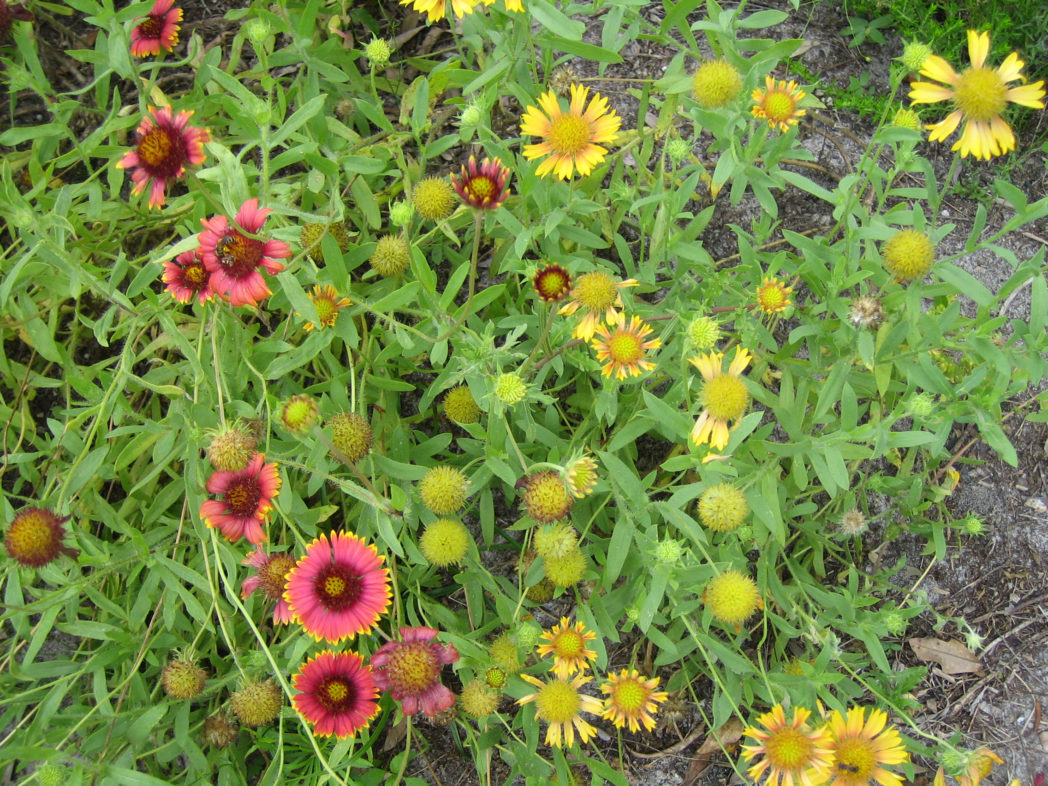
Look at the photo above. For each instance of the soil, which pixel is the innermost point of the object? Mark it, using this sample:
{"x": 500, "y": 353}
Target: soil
{"x": 994, "y": 581}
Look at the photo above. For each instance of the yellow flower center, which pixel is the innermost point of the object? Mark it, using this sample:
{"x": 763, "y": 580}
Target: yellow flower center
{"x": 334, "y": 586}
{"x": 625, "y": 348}
{"x": 771, "y": 297}
{"x": 595, "y": 291}
{"x": 558, "y": 702}
{"x": 629, "y": 696}
{"x": 568, "y": 644}
{"x": 789, "y": 749}
{"x": 856, "y": 760}
{"x": 981, "y": 94}
{"x": 481, "y": 188}
{"x": 726, "y": 397}
{"x": 413, "y": 668}
{"x": 196, "y": 275}
{"x": 569, "y": 135}
{"x": 326, "y": 310}
{"x": 155, "y": 147}
{"x": 336, "y": 691}
{"x": 33, "y": 537}
{"x": 779, "y": 106}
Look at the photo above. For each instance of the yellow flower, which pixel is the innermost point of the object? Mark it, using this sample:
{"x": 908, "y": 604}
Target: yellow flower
{"x": 328, "y": 304}
{"x": 792, "y": 753}
{"x": 560, "y": 704}
{"x": 979, "y": 95}
{"x": 622, "y": 348}
{"x": 724, "y": 397}
{"x": 632, "y": 700}
{"x": 773, "y": 296}
{"x": 571, "y": 139}
{"x": 437, "y": 9}
{"x": 777, "y": 103}
{"x": 716, "y": 84}
{"x": 862, "y": 746}
{"x": 980, "y": 762}
{"x": 598, "y": 295}
{"x": 567, "y": 645}
{"x": 908, "y": 254}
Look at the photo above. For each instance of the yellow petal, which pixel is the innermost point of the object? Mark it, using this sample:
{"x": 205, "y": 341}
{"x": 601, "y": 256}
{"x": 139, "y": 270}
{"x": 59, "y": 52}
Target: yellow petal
{"x": 978, "y": 47}
{"x": 1027, "y": 95}
{"x": 1002, "y": 134}
{"x": 550, "y": 105}
{"x": 1011, "y": 68}
{"x": 938, "y": 69}
{"x": 929, "y": 93}
{"x": 945, "y": 127}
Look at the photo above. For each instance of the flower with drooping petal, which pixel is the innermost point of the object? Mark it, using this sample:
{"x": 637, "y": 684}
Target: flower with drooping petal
{"x": 572, "y": 139}
{"x": 338, "y": 588}
{"x": 862, "y": 747}
{"x": 336, "y": 693}
{"x": 247, "y": 497}
{"x": 560, "y": 704}
{"x": 622, "y": 349}
{"x": 632, "y": 700}
{"x": 979, "y": 764}
{"x": 436, "y": 10}
{"x": 166, "y": 143}
{"x": 792, "y": 753}
{"x": 158, "y": 30}
{"x": 598, "y": 295}
{"x": 410, "y": 670}
{"x": 233, "y": 255}
{"x": 979, "y": 95}
{"x": 327, "y": 303}
{"x": 186, "y": 276}
{"x": 485, "y": 186}
{"x": 567, "y": 644}
{"x": 724, "y": 397}
{"x": 35, "y": 537}
{"x": 777, "y": 103}
{"x": 270, "y": 579}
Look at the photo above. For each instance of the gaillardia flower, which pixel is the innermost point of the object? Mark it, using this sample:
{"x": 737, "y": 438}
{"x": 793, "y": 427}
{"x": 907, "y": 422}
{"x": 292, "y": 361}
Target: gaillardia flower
{"x": 234, "y": 255}
{"x": 186, "y": 276}
{"x": 410, "y": 670}
{"x": 336, "y": 693}
{"x": 270, "y": 579}
{"x": 299, "y": 413}
{"x": 979, "y": 95}
{"x": 247, "y": 497}
{"x": 327, "y": 302}
{"x": 567, "y": 644}
{"x": 35, "y": 537}
{"x": 632, "y": 700}
{"x": 339, "y": 588}
{"x": 560, "y": 704}
{"x": 572, "y": 139}
{"x": 732, "y": 597}
{"x": 792, "y": 753}
{"x": 773, "y": 296}
{"x": 723, "y": 507}
{"x": 716, "y": 84}
{"x": 552, "y": 283}
{"x": 908, "y": 254}
{"x": 979, "y": 764}
{"x": 622, "y": 349}
{"x": 166, "y": 143}
{"x": 546, "y": 496}
{"x": 484, "y": 186}
{"x": 598, "y": 295}
{"x": 582, "y": 476}
{"x": 724, "y": 397}
{"x": 391, "y": 257}
{"x": 861, "y": 747}
{"x": 777, "y": 103}
{"x": 436, "y": 10}
{"x": 158, "y": 30}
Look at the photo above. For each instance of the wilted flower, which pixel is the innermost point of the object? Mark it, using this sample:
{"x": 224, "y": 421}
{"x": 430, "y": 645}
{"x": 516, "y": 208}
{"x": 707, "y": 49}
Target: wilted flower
{"x": 166, "y": 143}
{"x": 410, "y": 670}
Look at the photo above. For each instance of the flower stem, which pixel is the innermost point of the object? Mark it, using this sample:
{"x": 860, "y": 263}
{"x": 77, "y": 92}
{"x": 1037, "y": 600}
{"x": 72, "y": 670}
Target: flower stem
{"x": 407, "y": 752}
{"x": 538, "y": 344}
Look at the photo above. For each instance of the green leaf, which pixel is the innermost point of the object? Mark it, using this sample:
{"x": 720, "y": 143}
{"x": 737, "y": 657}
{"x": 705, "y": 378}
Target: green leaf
{"x": 597, "y": 54}
{"x": 555, "y": 20}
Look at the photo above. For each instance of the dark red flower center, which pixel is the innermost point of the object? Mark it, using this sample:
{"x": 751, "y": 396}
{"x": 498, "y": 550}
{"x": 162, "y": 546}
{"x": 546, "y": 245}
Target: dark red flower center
{"x": 243, "y": 497}
{"x": 34, "y": 538}
{"x": 336, "y": 694}
{"x": 273, "y": 574}
{"x": 412, "y": 668}
{"x": 195, "y": 275}
{"x": 151, "y": 27}
{"x": 240, "y": 255}
{"x": 162, "y": 151}
{"x": 338, "y": 588}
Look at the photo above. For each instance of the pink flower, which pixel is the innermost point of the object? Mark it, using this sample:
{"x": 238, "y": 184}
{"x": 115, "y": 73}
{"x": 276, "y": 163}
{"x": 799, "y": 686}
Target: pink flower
{"x": 270, "y": 579}
{"x": 186, "y": 276}
{"x": 247, "y": 498}
{"x": 336, "y": 693}
{"x": 158, "y": 30}
{"x": 166, "y": 143}
{"x": 233, "y": 256}
{"x": 410, "y": 670}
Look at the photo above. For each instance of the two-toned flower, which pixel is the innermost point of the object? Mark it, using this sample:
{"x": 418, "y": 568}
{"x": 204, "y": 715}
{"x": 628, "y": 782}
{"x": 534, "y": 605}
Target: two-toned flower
{"x": 410, "y": 670}
{"x": 571, "y": 140}
{"x": 623, "y": 349}
{"x": 245, "y": 500}
{"x": 166, "y": 143}
{"x": 156, "y": 31}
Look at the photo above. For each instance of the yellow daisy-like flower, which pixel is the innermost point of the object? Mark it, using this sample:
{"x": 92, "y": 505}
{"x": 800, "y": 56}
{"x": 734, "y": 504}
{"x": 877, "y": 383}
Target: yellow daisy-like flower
{"x": 632, "y": 700}
{"x": 791, "y": 753}
{"x": 328, "y": 304}
{"x": 724, "y": 397}
{"x": 622, "y": 348}
{"x": 560, "y": 704}
{"x": 979, "y": 95}
{"x": 773, "y": 296}
{"x": 567, "y": 644}
{"x": 777, "y": 103}
{"x": 572, "y": 139}
{"x": 598, "y": 296}
{"x": 437, "y": 9}
{"x": 861, "y": 747}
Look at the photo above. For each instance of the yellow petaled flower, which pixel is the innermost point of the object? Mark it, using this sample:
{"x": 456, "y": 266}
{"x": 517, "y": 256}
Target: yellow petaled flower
{"x": 980, "y": 762}
{"x": 582, "y": 476}
{"x": 862, "y": 746}
{"x": 434, "y": 198}
{"x": 573, "y": 139}
{"x": 792, "y": 753}
{"x": 622, "y": 349}
{"x": 597, "y": 295}
{"x": 560, "y": 704}
{"x": 716, "y": 84}
{"x": 732, "y": 597}
{"x": 328, "y": 304}
{"x": 724, "y": 397}
{"x": 567, "y": 644}
{"x": 777, "y": 103}
{"x": 723, "y": 507}
{"x": 436, "y": 10}
{"x": 908, "y": 254}
{"x": 460, "y": 406}
{"x": 773, "y": 296}
{"x": 632, "y": 700}
{"x": 979, "y": 95}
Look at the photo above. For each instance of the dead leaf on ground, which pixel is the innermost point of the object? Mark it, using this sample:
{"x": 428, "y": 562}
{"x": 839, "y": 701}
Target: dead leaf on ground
{"x": 952, "y": 656}
{"x": 728, "y": 734}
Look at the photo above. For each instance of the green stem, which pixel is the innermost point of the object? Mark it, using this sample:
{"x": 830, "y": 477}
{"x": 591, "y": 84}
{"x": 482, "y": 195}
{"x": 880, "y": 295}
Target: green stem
{"x": 407, "y": 752}
{"x": 538, "y": 344}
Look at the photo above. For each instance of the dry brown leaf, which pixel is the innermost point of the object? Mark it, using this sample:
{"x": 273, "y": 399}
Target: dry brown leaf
{"x": 728, "y": 734}
{"x": 952, "y": 656}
